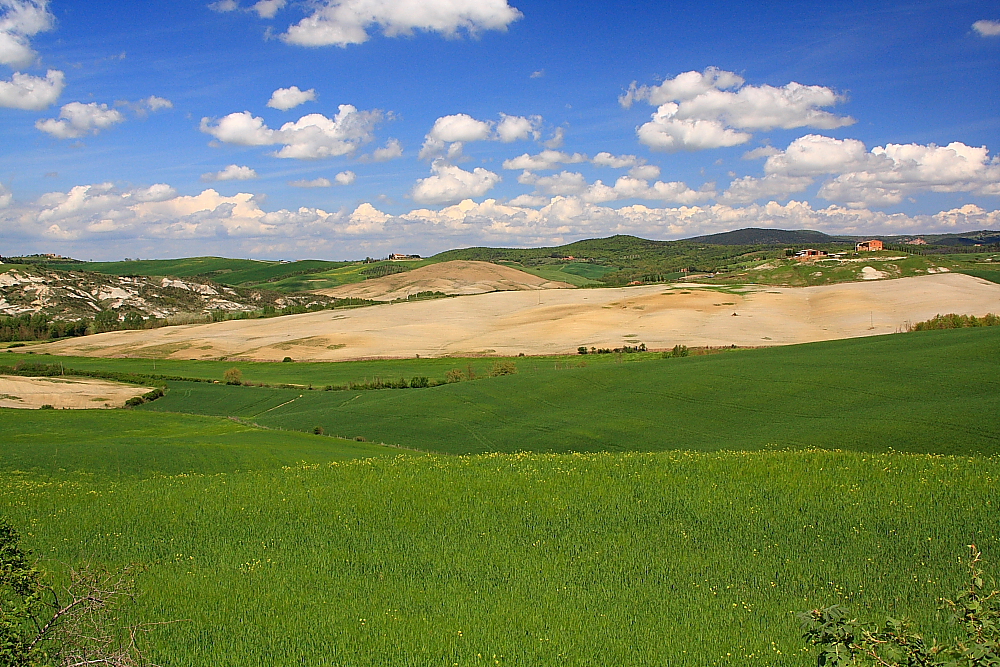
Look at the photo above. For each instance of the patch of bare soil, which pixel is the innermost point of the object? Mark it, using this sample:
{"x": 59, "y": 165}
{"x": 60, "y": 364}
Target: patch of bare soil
{"x": 455, "y": 277}
{"x": 64, "y": 392}
{"x": 558, "y": 321}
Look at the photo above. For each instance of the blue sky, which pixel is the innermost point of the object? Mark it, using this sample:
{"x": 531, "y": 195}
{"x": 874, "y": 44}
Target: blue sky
{"x": 344, "y": 128}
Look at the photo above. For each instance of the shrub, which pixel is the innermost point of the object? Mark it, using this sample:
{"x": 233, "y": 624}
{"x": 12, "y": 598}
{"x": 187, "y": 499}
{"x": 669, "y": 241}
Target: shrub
{"x": 134, "y": 401}
{"x": 359, "y": 438}
{"x": 581, "y": 350}
{"x": 680, "y": 351}
{"x": 318, "y": 430}
{"x": 233, "y": 376}
{"x": 454, "y": 375}
{"x": 286, "y": 360}
{"x": 419, "y": 382}
{"x": 503, "y": 368}
{"x": 844, "y": 642}
{"x": 47, "y": 407}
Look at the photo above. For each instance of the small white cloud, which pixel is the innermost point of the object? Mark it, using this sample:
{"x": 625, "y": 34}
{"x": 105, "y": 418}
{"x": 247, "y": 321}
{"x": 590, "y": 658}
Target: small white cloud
{"x": 344, "y": 22}
{"x": 563, "y": 183}
{"x": 266, "y": 9}
{"x": 231, "y": 173}
{"x": 393, "y": 149}
{"x": 645, "y": 172}
{"x": 556, "y": 141}
{"x": 712, "y": 109}
{"x": 450, "y": 184}
{"x": 20, "y": 20}
{"x": 154, "y": 103}
{"x": 312, "y": 136}
{"x": 315, "y": 183}
{"x": 77, "y": 119}
{"x": 289, "y": 98}
{"x": 345, "y": 177}
{"x": 547, "y": 159}
{"x": 5, "y": 196}
{"x": 762, "y": 151}
{"x": 33, "y": 93}
{"x": 606, "y": 159}
{"x": 987, "y": 28}
{"x": 223, "y": 6}
{"x": 456, "y": 128}
{"x": 515, "y": 128}
{"x": 531, "y": 201}
{"x": 538, "y": 74}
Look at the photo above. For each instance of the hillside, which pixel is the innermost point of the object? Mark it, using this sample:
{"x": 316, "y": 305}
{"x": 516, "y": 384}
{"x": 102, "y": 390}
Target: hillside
{"x": 76, "y": 295}
{"x": 454, "y": 277}
{"x": 559, "y": 321}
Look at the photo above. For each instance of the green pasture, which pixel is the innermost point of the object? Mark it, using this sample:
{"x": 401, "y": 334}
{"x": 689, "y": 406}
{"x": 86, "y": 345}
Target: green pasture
{"x": 320, "y": 374}
{"x": 122, "y": 442}
{"x": 578, "y": 274}
{"x": 623, "y": 559}
{"x": 928, "y": 392}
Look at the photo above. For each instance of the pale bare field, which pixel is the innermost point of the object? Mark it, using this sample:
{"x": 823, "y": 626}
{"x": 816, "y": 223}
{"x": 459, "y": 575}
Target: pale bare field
{"x": 558, "y": 321}
{"x": 61, "y": 392}
{"x": 454, "y": 277}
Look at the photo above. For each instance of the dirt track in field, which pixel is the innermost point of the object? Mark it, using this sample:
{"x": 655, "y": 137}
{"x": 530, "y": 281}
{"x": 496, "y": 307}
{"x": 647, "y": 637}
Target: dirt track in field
{"x": 64, "y": 392}
{"x": 558, "y": 321}
{"x": 458, "y": 277}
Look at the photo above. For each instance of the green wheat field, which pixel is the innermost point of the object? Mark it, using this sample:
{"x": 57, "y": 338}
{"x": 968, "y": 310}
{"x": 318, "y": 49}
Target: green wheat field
{"x": 591, "y": 510}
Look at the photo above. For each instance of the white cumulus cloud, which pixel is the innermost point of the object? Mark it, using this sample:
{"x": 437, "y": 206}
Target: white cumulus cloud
{"x": 25, "y": 91}
{"x": 231, "y": 173}
{"x": 881, "y": 176}
{"x": 289, "y": 98}
{"x": 987, "y": 28}
{"x": 20, "y": 20}
{"x": 450, "y": 133}
{"x": 714, "y": 108}
{"x": 345, "y": 177}
{"x": 310, "y": 137}
{"x": 315, "y": 183}
{"x": 547, "y": 159}
{"x": 266, "y": 9}
{"x": 392, "y": 150}
{"x": 77, "y": 119}
{"x": 344, "y": 22}
{"x": 450, "y": 183}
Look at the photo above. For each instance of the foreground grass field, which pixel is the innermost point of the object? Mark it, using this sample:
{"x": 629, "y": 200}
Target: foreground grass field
{"x": 279, "y": 547}
{"x": 596, "y": 559}
{"x": 928, "y": 392}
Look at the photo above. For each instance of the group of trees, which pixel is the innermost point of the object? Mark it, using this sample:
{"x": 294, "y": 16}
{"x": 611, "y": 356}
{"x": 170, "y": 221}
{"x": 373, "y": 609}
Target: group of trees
{"x": 39, "y": 326}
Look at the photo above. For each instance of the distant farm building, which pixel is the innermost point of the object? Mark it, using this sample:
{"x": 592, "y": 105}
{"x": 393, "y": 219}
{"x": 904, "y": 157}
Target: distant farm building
{"x": 398, "y": 257}
{"x": 916, "y": 242}
{"x": 869, "y": 246}
{"x": 810, "y": 253}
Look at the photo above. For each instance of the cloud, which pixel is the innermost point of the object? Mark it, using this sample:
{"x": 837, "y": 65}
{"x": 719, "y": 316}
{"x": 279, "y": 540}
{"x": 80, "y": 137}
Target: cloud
{"x": 315, "y": 183}
{"x": 574, "y": 184}
{"x": 392, "y": 150}
{"x": 345, "y": 177}
{"x": 20, "y": 20}
{"x": 712, "y": 109}
{"x": 644, "y": 171}
{"x": 556, "y": 141}
{"x": 33, "y": 93}
{"x": 154, "y": 103}
{"x": 987, "y": 28}
{"x": 450, "y": 133}
{"x": 882, "y": 176}
{"x": 102, "y": 215}
{"x": 450, "y": 183}
{"x": 605, "y": 159}
{"x": 344, "y": 22}
{"x": 6, "y": 196}
{"x": 458, "y": 128}
{"x": 223, "y": 6}
{"x": 537, "y": 74}
{"x": 762, "y": 151}
{"x": 231, "y": 173}
{"x": 547, "y": 159}
{"x": 77, "y": 120}
{"x": 312, "y": 136}
{"x": 266, "y": 9}
{"x": 289, "y": 98}
{"x": 514, "y": 128}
